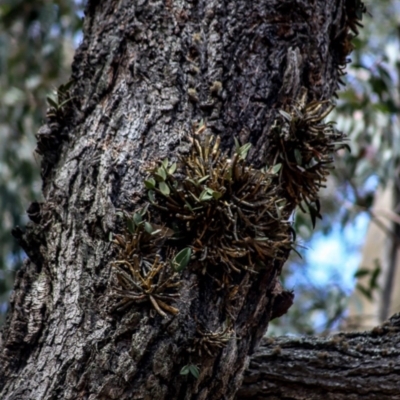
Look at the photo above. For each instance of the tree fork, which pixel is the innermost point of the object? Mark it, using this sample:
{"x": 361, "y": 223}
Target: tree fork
{"x": 145, "y": 76}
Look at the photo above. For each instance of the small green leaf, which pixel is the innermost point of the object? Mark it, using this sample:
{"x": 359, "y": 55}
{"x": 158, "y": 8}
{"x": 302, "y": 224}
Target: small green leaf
{"x": 373, "y": 283}
{"x": 184, "y": 370}
{"x": 206, "y": 194}
{"x": 164, "y": 189}
{"x": 152, "y": 196}
{"x": 237, "y": 145}
{"x": 366, "y": 292}
{"x": 298, "y": 157}
{"x": 276, "y": 168}
{"x": 244, "y": 150}
{"x": 172, "y": 169}
{"x": 143, "y": 211}
{"x": 52, "y": 102}
{"x": 137, "y": 218}
{"x": 188, "y": 206}
{"x": 150, "y": 183}
{"x": 361, "y": 272}
{"x": 148, "y": 228}
{"x": 131, "y": 225}
{"x": 165, "y": 163}
{"x": 160, "y": 175}
{"x": 216, "y": 195}
{"x": 110, "y": 237}
{"x": 182, "y": 259}
{"x": 194, "y": 370}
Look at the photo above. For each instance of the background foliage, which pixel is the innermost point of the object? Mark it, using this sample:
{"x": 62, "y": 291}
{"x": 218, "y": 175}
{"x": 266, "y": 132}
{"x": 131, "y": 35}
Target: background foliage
{"x": 37, "y": 40}
{"x": 36, "y": 49}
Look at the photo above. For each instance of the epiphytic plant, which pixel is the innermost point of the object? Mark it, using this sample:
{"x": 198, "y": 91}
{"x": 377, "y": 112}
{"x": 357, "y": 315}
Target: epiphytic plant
{"x": 303, "y": 148}
{"x": 140, "y": 273}
{"x": 228, "y": 212}
{"x": 210, "y": 341}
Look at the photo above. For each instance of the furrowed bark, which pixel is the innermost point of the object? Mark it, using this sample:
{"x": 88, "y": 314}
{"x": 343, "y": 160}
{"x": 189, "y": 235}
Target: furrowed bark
{"x": 145, "y": 75}
{"x": 363, "y": 365}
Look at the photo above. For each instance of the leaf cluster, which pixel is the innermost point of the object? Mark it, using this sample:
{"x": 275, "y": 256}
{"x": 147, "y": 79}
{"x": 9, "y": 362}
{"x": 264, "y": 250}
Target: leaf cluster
{"x": 141, "y": 274}
{"x": 304, "y": 146}
{"x": 226, "y": 211}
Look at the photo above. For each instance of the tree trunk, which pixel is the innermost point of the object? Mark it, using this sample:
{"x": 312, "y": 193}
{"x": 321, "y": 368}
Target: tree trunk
{"x": 90, "y": 319}
{"x": 362, "y": 365}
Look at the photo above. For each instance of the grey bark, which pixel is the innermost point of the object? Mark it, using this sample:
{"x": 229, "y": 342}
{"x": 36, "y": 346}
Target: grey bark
{"x": 145, "y": 73}
{"x": 364, "y": 365}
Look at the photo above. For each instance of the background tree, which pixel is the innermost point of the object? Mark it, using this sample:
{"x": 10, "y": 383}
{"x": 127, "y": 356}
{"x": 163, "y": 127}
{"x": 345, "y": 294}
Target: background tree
{"x": 36, "y": 49}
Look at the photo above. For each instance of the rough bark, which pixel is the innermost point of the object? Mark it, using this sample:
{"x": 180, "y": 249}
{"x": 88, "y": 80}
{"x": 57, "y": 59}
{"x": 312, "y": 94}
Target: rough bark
{"x": 364, "y": 365}
{"x": 145, "y": 74}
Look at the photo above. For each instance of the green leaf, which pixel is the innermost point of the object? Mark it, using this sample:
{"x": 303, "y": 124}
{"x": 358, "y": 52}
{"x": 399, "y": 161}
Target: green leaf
{"x": 206, "y": 194}
{"x": 276, "y": 168}
{"x": 151, "y": 195}
{"x": 237, "y": 145}
{"x": 143, "y": 211}
{"x": 194, "y": 370}
{"x": 366, "y": 292}
{"x": 298, "y": 157}
{"x": 164, "y": 189}
{"x": 52, "y": 102}
{"x": 182, "y": 259}
{"x": 361, "y": 272}
{"x": 165, "y": 163}
{"x": 131, "y": 225}
{"x": 373, "y": 283}
{"x": 184, "y": 370}
{"x": 137, "y": 218}
{"x": 150, "y": 183}
{"x": 216, "y": 195}
{"x": 160, "y": 174}
{"x": 172, "y": 169}
{"x": 244, "y": 150}
{"x": 188, "y": 206}
{"x": 148, "y": 228}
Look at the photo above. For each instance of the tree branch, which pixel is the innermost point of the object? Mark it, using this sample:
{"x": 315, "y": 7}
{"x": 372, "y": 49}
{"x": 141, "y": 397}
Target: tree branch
{"x": 357, "y": 365}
